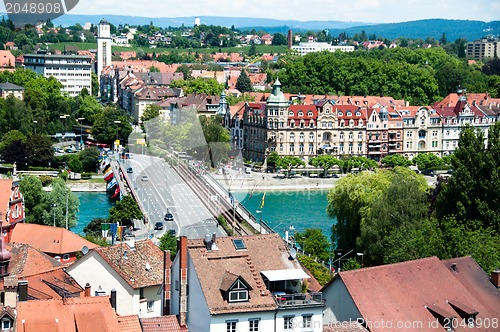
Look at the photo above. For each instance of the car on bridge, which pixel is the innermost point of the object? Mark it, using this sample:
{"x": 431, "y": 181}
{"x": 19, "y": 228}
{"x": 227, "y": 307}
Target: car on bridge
{"x": 169, "y": 216}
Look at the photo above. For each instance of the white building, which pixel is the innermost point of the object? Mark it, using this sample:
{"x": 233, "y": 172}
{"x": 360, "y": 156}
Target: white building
{"x": 250, "y": 283}
{"x": 305, "y": 48}
{"x": 134, "y": 270}
{"x": 103, "y": 47}
{"x": 73, "y": 71}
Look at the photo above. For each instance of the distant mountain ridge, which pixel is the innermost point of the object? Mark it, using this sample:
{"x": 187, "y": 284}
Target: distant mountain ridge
{"x": 454, "y": 29}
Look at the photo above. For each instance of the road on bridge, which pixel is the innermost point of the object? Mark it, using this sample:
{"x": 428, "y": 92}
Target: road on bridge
{"x": 160, "y": 189}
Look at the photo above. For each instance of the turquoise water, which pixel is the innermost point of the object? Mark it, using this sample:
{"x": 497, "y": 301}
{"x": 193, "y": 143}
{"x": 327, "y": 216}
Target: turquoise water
{"x": 282, "y": 209}
{"x": 300, "y": 209}
{"x": 92, "y": 205}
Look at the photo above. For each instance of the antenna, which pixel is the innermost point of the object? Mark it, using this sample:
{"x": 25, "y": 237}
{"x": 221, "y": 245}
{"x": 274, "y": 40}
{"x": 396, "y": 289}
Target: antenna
{"x": 85, "y": 250}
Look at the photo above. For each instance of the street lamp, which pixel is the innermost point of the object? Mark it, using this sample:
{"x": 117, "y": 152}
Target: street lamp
{"x": 260, "y": 220}
{"x": 81, "y": 130}
{"x": 54, "y": 212}
{"x": 362, "y": 257}
{"x": 35, "y": 123}
{"x": 117, "y": 122}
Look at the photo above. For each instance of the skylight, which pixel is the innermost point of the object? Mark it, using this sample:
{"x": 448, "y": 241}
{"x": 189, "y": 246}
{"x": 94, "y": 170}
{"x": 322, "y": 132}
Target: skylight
{"x": 239, "y": 244}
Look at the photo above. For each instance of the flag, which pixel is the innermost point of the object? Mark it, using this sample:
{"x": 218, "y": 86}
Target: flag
{"x": 105, "y": 162}
{"x": 262, "y": 201}
{"x": 117, "y": 191}
{"x": 109, "y": 176}
{"x": 111, "y": 184}
{"x": 251, "y": 193}
{"x": 107, "y": 171}
{"x": 105, "y": 229}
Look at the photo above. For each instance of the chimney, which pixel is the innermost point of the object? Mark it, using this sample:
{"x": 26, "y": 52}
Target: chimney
{"x": 10, "y": 285}
{"x": 23, "y": 290}
{"x": 167, "y": 282}
{"x": 87, "y": 290}
{"x": 495, "y": 278}
{"x": 183, "y": 280}
{"x": 208, "y": 241}
{"x": 112, "y": 299}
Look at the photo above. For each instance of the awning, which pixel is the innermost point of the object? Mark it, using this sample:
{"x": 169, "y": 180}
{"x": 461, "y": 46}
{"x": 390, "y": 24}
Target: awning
{"x": 276, "y": 275}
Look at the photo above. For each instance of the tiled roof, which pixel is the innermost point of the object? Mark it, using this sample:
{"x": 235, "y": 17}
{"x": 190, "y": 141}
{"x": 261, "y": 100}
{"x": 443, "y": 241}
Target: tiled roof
{"x": 402, "y": 292}
{"x": 129, "y": 323}
{"x": 130, "y": 263}
{"x": 27, "y": 261}
{"x": 344, "y": 327}
{"x": 161, "y": 324}
{"x": 10, "y": 86}
{"x": 87, "y": 314}
{"x": 47, "y": 285}
{"x": 51, "y": 240}
{"x": 473, "y": 278}
{"x": 263, "y": 253}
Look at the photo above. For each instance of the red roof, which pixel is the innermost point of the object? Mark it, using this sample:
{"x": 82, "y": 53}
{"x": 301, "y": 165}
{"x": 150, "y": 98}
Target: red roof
{"x": 403, "y": 292}
{"x": 51, "y": 240}
{"x": 161, "y": 324}
{"x": 129, "y": 323}
{"x": 87, "y": 314}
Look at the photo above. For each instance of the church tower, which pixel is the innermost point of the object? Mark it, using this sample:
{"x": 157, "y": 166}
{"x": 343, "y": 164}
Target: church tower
{"x": 103, "y": 47}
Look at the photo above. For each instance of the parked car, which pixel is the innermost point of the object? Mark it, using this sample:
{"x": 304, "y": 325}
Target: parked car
{"x": 159, "y": 225}
{"x": 169, "y": 216}
{"x": 428, "y": 172}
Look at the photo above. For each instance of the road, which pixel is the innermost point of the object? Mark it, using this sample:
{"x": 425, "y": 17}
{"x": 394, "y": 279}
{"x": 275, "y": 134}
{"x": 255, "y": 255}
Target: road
{"x": 159, "y": 189}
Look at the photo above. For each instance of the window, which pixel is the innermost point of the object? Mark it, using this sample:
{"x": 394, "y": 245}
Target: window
{"x": 253, "y": 324}
{"x": 311, "y": 137}
{"x": 301, "y": 148}
{"x": 151, "y": 306}
{"x": 141, "y": 293}
{"x": 309, "y": 113}
{"x": 301, "y": 113}
{"x": 341, "y": 147}
{"x": 341, "y": 136}
{"x": 281, "y": 147}
{"x": 323, "y": 124}
{"x": 6, "y": 324}
{"x": 65, "y": 257}
{"x": 288, "y": 322}
{"x": 292, "y": 137}
{"x": 351, "y": 136}
{"x": 360, "y": 148}
{"x": 231, "y": 326}
{"x": 292, "y": 148}
{"x": 290, "y": 113}
{"x": 238, "y": 293}
{"x": 306, "y": 321}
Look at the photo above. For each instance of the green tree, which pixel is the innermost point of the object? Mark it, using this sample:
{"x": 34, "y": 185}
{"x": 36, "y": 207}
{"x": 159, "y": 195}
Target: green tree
{"x": 35, "y": 200}
{"x": 320, "y": 273}
{"x": 427, "y": 161}
{"x": 93, "y": 228}
{"x": 40, "y": 150}
{"x": 13, "y": 148}
{"x": 63, "y": 204}
{"x": 124, "y": 211}
{"x": 243, "y": 83}
{"x": 325, "y": 162}
{"x": 314, "y": 242}
{"x": 252, "y": 50}
{"x": 89, "y": 158}
{"x": 272, "y": 159}
{"x": 351, "y": 264}
{"x": 217, "y": 138}
{"x": 289, "y": 162}
{"x": 279, "y": 39}
{"x": 111, "y": 124}
{"x": 394, "y": 160}
{"x": 168, "y": 242}
{"x": 150, "y": 112}
{"x": 74, "y": 163}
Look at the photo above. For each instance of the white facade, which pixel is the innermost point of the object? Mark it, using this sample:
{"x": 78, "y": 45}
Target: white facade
{"x": 94, "y": 270}
{"x": 103, "y": 47}
{"x": 72, "y": 71}
{"x": 305, "y": 48}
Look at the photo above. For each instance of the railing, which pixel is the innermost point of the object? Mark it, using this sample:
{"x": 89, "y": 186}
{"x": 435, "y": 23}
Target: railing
{"x": 299, "y": 299}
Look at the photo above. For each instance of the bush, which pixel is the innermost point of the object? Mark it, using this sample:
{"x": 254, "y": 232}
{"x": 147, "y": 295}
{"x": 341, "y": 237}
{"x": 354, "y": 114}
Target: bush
{"x": 318, "y": 271}
{"x": 86, "y": 175}
{"x": 46, "y": 180}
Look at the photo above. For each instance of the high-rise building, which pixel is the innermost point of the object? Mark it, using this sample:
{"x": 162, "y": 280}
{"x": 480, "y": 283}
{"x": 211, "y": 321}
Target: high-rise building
{"x": 488, "y": 47}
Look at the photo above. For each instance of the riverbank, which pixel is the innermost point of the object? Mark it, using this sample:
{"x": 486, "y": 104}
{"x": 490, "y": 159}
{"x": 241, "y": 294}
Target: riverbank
{"x": 87, "y": 187}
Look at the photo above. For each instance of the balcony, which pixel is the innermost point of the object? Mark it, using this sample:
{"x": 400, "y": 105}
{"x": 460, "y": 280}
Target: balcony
{"x": 299, "y": 299}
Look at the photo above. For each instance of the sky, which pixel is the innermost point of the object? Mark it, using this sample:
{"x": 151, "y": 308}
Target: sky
{"x": 367, "y": 11}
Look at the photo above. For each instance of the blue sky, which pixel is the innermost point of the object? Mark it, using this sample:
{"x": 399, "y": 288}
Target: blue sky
{"x": 376, "y": 11}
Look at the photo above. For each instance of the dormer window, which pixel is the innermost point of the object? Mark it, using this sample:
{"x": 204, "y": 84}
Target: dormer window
{"x": 349, "y": 113}
{"x": 301, "y": 113}
{"x": 309, "y": 113}
{"x": 290, "y": 113}
{"x": 238, "y": 292}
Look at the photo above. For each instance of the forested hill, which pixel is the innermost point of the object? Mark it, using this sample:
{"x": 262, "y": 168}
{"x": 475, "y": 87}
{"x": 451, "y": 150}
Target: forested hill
{"x": 454, "y": 29}
{"x": 470, "y": 30}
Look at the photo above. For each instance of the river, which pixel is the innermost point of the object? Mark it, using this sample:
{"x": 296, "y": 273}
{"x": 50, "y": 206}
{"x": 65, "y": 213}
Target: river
{"x": 282, "y": 209}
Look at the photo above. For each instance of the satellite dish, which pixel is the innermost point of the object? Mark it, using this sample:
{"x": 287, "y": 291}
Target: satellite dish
{"x": 293, "y": 253}
{"x": 85, "y": 250}
{"x": 148, "y": 267}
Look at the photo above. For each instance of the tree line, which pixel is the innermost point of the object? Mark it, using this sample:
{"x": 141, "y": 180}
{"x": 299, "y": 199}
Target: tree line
{"x": 392, "y": 215}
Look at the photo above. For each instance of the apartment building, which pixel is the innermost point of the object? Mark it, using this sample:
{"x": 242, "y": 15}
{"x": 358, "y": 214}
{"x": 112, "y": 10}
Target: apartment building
{"x": 310, "y": 47}
{"x": 72, "y": 71}
{"x": 488, "y": 47}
